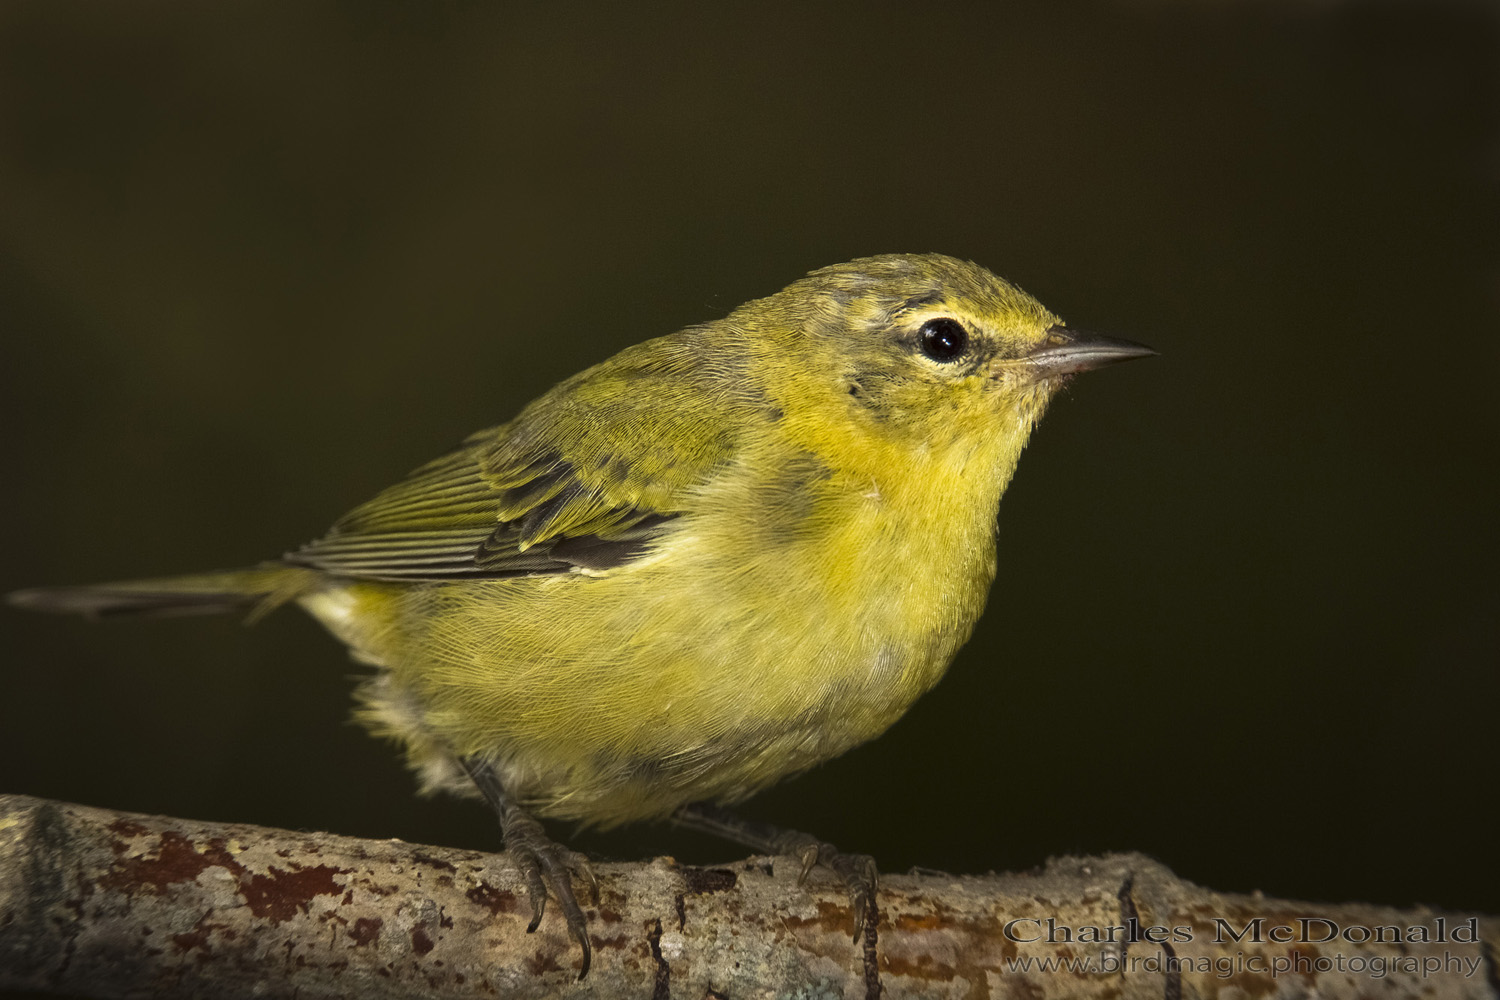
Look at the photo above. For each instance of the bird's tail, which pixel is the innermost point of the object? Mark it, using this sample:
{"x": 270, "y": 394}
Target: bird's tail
{"x": 257, "y": 590}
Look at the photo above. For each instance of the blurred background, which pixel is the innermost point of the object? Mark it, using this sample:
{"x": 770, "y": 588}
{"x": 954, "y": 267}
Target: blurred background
{"x": 258, "y": 261}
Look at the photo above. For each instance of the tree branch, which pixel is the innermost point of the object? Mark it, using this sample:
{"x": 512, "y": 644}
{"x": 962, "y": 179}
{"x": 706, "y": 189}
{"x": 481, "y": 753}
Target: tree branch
{"x": 109, "y": 904}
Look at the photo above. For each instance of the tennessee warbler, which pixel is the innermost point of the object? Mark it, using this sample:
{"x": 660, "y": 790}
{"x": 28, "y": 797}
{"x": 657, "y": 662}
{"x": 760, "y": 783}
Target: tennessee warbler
{"x": 712, "y": 561}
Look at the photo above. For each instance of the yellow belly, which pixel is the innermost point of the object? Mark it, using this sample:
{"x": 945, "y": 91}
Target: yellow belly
{"x": 734, "y": 656}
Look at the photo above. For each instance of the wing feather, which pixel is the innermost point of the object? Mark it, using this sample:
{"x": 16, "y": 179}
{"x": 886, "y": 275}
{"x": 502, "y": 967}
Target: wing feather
{"x": 584, "y": 479}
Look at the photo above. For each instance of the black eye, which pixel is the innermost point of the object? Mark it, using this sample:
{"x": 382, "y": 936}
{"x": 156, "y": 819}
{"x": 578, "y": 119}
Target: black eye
{"x": 943, "y": 339}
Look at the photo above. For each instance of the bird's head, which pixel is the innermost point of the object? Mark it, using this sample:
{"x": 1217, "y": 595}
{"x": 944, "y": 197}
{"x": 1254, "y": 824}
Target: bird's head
{"x": 922, "y": 348}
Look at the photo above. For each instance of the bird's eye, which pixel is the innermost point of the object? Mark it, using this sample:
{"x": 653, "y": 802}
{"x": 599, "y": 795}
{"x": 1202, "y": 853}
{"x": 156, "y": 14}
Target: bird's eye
{"x": 943, "y": 339}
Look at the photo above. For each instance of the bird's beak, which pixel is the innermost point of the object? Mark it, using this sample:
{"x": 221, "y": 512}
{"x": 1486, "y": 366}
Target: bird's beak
{"x": 1066, "y": 352}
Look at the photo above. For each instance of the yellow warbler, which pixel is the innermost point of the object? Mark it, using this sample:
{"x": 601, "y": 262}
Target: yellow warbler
{"x": 714, "y": 560}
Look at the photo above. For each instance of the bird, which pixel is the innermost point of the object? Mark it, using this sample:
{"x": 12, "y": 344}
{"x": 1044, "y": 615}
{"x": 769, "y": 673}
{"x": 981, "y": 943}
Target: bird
{"x": 708, "y": 563}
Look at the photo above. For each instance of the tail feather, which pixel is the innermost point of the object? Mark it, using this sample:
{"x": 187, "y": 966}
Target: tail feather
{"x": 260, "y": 590}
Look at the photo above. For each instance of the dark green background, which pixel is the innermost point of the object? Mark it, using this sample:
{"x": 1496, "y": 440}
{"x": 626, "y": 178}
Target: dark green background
{"x": 257, "y": 261}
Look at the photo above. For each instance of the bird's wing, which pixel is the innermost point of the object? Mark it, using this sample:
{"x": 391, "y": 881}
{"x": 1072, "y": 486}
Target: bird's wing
{"x": 585, "y": 483}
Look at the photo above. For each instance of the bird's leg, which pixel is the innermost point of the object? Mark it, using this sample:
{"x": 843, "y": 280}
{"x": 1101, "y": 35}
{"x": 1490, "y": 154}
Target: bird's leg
{"x": 857, "y": 870}
{"x": 545, "y": 864}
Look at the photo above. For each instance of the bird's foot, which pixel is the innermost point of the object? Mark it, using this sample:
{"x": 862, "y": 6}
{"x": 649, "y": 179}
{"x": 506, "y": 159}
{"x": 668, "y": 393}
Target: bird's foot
{"x": 857, "y": 870}
{"x": 861, "y": 879}
{"x": 547, "y": 866}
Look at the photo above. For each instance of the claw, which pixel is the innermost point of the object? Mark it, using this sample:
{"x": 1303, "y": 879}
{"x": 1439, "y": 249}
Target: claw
{"x": 857, "y": 870}
{"x": 580, "y": 863}
{"x": 861, "y": 879}
{"x": 548, "y": 870}
{"x": 578, "y": 928}
{"x": 536, "y": 887}
{"x": 546, "y": 865}
{"x": 553, "y": 866}
{"x": 809, "y": 858}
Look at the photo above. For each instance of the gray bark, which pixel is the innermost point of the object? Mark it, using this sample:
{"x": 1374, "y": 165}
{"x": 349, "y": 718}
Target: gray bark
{"x": 107, "y": 904}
